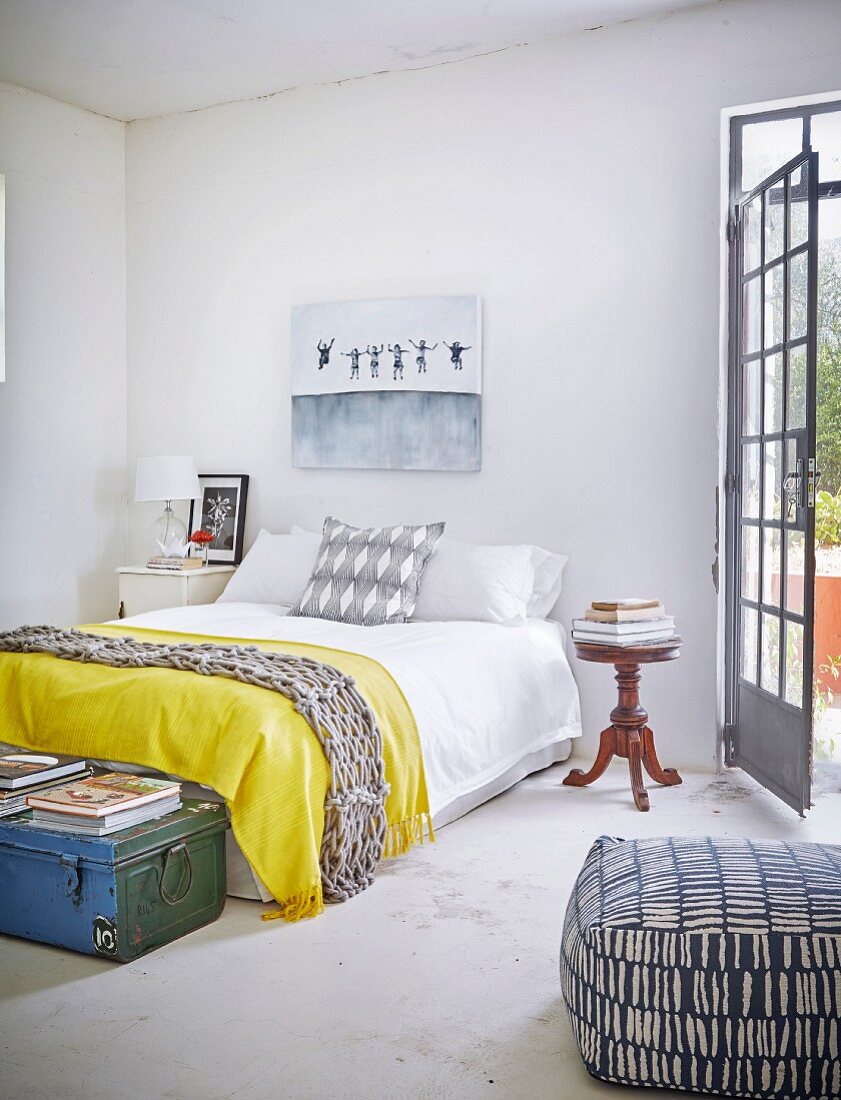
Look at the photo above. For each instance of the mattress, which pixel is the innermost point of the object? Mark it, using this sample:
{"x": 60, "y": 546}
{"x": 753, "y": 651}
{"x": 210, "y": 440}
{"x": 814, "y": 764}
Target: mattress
{"x": 492, "y": 703}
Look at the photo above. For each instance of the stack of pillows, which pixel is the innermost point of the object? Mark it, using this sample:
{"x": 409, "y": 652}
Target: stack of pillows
{"x": 381, "y": 575}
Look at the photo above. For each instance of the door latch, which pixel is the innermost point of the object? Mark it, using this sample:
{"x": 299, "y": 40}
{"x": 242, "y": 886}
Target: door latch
{"x": 812, "y": 480}
{"x": 793, "y": 488}
{"x": 73, "y": 882}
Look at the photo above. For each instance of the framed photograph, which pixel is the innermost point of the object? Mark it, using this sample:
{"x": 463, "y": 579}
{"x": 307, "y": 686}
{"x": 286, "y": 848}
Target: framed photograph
{"x": 221, "y": 510}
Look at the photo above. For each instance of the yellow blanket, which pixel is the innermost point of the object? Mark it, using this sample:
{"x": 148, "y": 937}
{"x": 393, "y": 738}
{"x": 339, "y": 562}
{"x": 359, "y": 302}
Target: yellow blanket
{"x": 246, "y": 742}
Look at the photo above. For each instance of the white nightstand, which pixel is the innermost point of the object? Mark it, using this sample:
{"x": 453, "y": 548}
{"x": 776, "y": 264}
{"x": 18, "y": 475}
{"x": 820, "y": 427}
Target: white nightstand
{"x": 143, "y": 589}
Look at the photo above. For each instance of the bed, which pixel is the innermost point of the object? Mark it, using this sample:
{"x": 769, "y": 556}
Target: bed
{"x": 492, "y": 703}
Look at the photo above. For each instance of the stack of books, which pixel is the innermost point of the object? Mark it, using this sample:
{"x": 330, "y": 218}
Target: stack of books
{"x": 26, "y": 773}
{"x": 628, "y": 622}
{"x": 173, "y": 565}
{"x": 104, "y": 804}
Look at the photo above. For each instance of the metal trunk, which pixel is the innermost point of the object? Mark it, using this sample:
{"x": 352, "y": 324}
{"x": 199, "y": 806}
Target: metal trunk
{"x": 117, "y": 896}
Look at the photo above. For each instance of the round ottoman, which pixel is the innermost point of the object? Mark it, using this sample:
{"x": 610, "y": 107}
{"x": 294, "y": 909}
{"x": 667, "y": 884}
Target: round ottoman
{"x": 707, "y": 965}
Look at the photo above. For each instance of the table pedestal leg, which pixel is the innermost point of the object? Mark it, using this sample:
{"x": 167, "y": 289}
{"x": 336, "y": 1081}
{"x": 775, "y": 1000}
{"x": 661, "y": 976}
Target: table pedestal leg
{"x": 667, "y": 776}
{"x": 607, "y": 751}
{"x": 630, "y": 737}
{"x": 635, "y": 767}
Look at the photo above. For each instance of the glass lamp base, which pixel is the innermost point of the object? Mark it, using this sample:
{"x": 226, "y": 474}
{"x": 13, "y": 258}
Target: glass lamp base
{"x": 168, "y": 536}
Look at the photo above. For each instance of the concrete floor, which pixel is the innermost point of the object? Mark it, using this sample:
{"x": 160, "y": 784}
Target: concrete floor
{"x": 440, "y": 981}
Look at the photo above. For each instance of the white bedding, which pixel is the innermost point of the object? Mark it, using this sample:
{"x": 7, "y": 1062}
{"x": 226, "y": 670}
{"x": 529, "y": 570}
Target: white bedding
{"x": 483, "y": 696}
{"x": 492, "y": 703}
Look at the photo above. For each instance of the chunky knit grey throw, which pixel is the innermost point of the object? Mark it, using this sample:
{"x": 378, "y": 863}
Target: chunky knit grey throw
{"x": 354, "y": 809}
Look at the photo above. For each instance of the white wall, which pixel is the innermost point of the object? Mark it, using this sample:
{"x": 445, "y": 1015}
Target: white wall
{"x": 62, "y": 406}
{"x": 574, "y": 185}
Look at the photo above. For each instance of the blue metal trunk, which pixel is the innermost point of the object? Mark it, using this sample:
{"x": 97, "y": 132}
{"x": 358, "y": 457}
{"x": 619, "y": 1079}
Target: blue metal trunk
{"x": 117, "y": 896}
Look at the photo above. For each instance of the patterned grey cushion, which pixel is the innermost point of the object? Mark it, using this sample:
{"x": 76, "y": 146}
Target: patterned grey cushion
{"x": 367, "y": 576}
{"x": 710, "y": 965}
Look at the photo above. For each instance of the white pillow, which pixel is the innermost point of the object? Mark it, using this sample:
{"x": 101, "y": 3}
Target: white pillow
{"x": 459, "y": 582}
{"x": 548, "y": 577}
{"x": 481, "y": 583}
{"x": 275, "y": 570}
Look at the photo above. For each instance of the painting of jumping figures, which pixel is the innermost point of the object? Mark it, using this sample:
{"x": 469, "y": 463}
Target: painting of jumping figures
{"x": 387, "y": 384}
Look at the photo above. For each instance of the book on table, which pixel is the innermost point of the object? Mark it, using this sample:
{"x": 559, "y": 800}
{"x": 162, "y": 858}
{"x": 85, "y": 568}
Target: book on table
{"x": 20, "y": 770}
{"x": 629, "y": 603}
{"x": 633, "y": 621}
{"x": 623, "y": 641}
{"x": 615, "y": 630}
{"x": 174, "y": 565}
{"x": 625, "y": 614}
{"x": 103, "y": 795}
{"x": 112, "y": 823}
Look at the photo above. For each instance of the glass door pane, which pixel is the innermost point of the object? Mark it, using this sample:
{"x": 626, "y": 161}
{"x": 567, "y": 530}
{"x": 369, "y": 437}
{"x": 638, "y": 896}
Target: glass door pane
{"x": 826, "y": 141}
{"x": 767, "y": 144}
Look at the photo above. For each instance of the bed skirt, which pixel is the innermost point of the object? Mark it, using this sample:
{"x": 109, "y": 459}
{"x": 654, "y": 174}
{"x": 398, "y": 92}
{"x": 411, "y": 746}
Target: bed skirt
{"x": 243, "y": 883}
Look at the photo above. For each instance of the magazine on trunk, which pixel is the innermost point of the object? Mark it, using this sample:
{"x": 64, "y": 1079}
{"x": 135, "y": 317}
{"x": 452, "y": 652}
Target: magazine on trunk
{"x": 103, "y": 826}
{"x": 14, "y": 802}
{"x": 102, "y": 795}
{"x": 24, "y": 769}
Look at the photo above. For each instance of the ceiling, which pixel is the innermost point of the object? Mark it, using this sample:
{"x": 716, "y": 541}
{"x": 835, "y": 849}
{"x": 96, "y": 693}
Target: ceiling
{"x": 138, "y": 58}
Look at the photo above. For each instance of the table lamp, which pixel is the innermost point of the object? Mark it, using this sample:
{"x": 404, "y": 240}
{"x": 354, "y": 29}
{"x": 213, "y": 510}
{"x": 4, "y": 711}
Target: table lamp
{"x": 168, "y": 478}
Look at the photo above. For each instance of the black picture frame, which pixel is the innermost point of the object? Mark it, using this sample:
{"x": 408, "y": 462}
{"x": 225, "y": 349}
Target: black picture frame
{"x": 217, "y": 489}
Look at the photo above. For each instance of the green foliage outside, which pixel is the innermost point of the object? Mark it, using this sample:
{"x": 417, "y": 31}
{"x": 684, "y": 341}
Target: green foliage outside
{"x": 828, "y": 453}
{"x": 824, "y": 697}
{"x": 827, "y": 519}
{"x": 829, "y": 371}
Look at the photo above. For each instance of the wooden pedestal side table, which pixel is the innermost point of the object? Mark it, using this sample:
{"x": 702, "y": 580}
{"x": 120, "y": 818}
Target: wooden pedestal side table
{"x": 628, "y": 736}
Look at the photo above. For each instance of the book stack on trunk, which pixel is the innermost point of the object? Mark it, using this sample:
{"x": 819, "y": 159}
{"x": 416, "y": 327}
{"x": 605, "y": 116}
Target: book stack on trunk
{"x": 104, "y": 804}
{"x": 628, "y": 622}
{"x": 26, "y": 773}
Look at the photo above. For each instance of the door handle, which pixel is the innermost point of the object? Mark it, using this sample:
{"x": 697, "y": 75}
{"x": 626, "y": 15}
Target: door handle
{"x": 793, "y": 488}
{"x": 186, "y": 877}
{"x": 812, "y": 480}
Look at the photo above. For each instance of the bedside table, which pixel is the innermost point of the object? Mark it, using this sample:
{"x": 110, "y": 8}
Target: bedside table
{"x": 629, "y": 734}
{"x": 142, "y": 589}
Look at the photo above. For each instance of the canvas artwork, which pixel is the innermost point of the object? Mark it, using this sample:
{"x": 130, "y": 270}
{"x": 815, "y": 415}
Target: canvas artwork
{"x": 390, "y": 384}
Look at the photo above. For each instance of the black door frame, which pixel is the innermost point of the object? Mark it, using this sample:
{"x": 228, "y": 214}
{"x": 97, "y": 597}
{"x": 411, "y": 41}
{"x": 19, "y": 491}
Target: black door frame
{"x": 825, "y": 189}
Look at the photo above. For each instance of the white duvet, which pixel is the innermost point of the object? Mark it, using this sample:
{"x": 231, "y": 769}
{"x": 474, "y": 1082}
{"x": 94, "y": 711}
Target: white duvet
{"x": 486, "y": 698}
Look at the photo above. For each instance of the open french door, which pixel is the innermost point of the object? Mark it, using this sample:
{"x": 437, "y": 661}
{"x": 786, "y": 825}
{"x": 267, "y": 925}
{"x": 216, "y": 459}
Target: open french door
{"x": 771, "y": 482}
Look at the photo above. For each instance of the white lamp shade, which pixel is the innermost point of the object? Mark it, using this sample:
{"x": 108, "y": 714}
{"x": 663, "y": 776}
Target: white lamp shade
{"x": 172, "y": 477}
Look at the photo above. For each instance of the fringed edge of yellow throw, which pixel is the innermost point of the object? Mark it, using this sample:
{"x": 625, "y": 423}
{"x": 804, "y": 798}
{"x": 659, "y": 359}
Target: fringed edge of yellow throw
{"x": 411, "y": 833}
{"x": 399, "y": 839}
{"x": 300, "y": 906}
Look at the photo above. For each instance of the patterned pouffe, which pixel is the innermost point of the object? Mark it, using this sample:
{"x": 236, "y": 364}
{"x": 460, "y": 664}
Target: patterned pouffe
{"x": 708, "y": 965}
